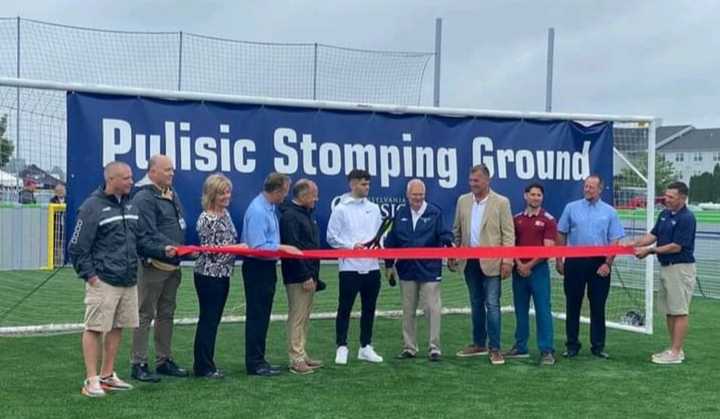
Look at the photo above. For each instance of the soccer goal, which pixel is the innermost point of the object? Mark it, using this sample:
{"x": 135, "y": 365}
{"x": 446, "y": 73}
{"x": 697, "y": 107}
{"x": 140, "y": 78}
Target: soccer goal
{"x": 42, "y": 301}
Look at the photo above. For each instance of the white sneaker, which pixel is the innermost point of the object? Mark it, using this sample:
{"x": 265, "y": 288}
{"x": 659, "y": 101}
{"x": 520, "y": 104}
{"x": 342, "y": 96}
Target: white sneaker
{"x": 668, "y": 352}
{"x": 367, "y": 353}
{"x": 113, "y": 383}
{"x": 341, "y": 355}
{"x": 92, "y": 388}
{"x": 668, "y": 357}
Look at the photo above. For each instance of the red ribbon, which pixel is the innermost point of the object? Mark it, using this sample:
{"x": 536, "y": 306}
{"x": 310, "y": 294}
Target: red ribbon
{"x": 500, "y": 252}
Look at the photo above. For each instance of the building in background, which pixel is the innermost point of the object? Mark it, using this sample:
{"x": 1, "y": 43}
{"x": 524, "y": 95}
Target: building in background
{"x": 692, "y": 151}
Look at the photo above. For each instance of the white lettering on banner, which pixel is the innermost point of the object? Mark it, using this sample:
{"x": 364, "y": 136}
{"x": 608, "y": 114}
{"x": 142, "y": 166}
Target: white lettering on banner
{"x": 289, "y": 164}
{"x": 205, "y": 154}
{"x": 141, "y": 157}
{"x": 300, "y": 153}
{"x": 307, "y": 146}
{"x": 185, "y": 163}
{"x": 330, "y": 159}
{"x": 225, "y": 149}
{"x": 384, "y": 161}
{"x": 241, "y": 148}
{"x": 527, "y": 164}
{"x": 205, "y": 149}
{"x": 116, "y": 139}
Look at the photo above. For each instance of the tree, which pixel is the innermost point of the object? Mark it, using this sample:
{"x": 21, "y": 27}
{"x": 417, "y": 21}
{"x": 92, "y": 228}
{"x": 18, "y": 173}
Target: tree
{"x": 704, "y": 187}
{"x": 6, "y": 147}
{"x": 664, "y": 173}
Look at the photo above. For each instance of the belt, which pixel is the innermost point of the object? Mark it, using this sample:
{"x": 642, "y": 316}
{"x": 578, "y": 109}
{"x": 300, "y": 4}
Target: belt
{"x": 162, "y": 266}
{"x": 675, "y": 263}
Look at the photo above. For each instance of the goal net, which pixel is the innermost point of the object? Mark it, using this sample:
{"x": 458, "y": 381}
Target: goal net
{"x": 51, "y": 300}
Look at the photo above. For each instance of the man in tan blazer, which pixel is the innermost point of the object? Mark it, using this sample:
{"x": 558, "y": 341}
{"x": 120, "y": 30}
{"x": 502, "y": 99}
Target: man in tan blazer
{"x": 483, "y": 218}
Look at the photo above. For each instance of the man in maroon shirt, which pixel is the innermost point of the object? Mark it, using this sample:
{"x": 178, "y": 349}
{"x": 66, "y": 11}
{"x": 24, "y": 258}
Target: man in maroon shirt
{"x": 531, "y": 277}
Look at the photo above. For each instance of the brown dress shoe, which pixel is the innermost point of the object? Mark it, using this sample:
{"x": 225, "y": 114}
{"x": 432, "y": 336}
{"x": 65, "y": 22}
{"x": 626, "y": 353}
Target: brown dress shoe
{"x": 496, "y": 358}
{"x": 301, "y": 368}
{"x": 313, "y": 363}
{"x": 472, "y": 350}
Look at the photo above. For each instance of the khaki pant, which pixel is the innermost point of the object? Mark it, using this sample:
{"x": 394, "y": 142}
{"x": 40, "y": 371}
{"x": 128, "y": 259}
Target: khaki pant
{"x": 677, "y": 284}
{"x": 427, "y": 293}
{"x": 157, "y": 293}
{"x": 299, "y": 308}
{"x": 109, "y": 307}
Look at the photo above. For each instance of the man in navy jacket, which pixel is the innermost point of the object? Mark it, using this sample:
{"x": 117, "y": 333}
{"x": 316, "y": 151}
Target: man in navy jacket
{"x": 418, "y": 224}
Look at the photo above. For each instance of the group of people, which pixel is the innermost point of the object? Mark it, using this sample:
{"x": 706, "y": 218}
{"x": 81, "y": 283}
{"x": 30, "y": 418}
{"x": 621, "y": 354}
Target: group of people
{"x": 116, "y": 241}
{"x": 126, "y": 251}
{"x": 27, "y": 194}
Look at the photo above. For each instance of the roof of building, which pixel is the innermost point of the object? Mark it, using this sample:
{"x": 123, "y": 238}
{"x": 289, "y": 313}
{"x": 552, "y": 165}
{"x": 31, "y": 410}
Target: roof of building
{"x": 669, "y": 139}
{"x": 707, "y": 139}
{"x": 38, "y": 175}
{"x": 663, "y": 133}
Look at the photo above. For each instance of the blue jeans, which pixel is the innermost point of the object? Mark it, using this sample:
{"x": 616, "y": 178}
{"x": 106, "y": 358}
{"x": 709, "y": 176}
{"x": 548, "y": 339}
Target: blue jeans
{"x": 484, "y": 305}
{"x": 537, "y": 286}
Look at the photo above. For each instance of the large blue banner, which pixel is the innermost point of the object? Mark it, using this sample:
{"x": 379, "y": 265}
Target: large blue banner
{"x": 246, "y": 142}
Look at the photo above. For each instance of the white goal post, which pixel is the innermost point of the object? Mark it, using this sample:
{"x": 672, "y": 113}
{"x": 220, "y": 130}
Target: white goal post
{"x": 640, "y": 277}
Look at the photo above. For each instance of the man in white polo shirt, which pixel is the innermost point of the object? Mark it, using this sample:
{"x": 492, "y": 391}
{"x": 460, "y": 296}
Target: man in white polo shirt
{"x": 353, "y": 223}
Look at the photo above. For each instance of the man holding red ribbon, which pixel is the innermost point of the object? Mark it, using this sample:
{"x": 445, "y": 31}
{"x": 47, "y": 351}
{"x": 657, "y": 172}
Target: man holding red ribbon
{"x": 299, "y": 228}
{"x": 352, "y": 225}
{"x": 261, "y": 230}
{"x": 673, "y": 237}
{"x": 418, "y": 224}
{"x": 531, "y": 277}
{"x": 162, "y": 220}
{"x": 483, "y": 218}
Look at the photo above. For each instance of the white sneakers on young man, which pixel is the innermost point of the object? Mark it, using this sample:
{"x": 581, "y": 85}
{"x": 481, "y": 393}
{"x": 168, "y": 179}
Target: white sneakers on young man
{"x": 341, "y": 355}
{"x": 367, "y": 353}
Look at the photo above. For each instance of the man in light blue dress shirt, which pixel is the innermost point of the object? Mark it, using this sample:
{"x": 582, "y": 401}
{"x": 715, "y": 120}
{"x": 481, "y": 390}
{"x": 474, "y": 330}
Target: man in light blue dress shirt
{"x": 587, "y": 222}
{"x": 261, "y": 230}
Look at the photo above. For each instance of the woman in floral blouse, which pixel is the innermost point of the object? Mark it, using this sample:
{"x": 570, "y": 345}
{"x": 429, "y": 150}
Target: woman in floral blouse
{"x": 212, "y": 271}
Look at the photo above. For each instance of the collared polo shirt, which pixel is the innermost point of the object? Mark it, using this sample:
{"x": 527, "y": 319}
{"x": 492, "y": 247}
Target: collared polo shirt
{"x": 533, "y": 230}
{"x": 678, "y": 228}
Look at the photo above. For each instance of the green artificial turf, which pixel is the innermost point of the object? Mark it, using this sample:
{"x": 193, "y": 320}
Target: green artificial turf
{"x": 41, "y": 377}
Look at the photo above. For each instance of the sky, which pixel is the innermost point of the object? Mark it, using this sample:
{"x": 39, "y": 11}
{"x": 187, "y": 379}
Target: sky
{"x": 658, "y": 58}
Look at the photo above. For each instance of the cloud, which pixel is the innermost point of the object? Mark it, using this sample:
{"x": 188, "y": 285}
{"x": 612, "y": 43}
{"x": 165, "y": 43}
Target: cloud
{"x": 619, "y": 57}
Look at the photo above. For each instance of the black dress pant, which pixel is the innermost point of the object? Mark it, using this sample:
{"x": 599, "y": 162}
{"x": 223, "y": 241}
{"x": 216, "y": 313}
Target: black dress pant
{"x": 259, "y": 278}
{"x": 212, "y": 294}
{"x": 352, "y": 283}
{"x": 581, "y": 273}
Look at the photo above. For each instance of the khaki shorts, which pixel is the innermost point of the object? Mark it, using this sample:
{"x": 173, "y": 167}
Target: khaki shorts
{"x": 108, "y": 307}
{"x": 677, "y": 283}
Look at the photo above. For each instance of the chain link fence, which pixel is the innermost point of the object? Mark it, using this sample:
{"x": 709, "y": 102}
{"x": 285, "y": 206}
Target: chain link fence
{"x": 178, "y": 61}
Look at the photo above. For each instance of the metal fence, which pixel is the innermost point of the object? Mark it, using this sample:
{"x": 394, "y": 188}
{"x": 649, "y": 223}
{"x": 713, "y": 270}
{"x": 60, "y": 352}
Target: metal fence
{"x": 187, "y": 61}
{"x": 36, "y": 119}
{"x": 24, "y": 237}
{"x": 180, "y": 61}
{"x": 33, "y": 121}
